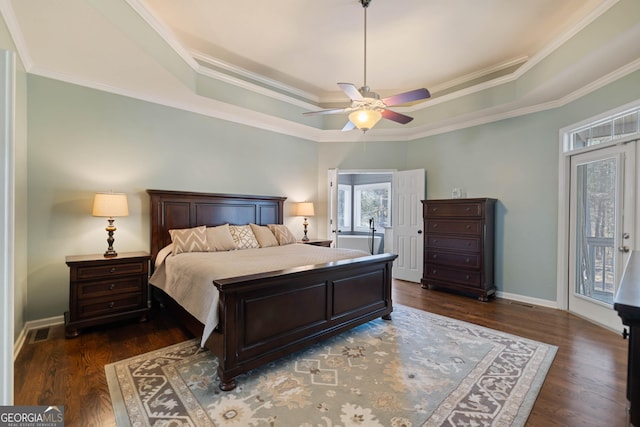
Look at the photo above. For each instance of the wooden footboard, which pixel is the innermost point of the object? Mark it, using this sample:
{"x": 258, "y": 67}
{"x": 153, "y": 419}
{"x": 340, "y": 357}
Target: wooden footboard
{"x": 264, "y": 317}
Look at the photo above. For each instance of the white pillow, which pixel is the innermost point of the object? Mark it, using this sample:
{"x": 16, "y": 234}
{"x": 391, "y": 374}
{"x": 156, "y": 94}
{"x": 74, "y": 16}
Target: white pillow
{"x": 264, "y": 236}
{"x": 282, "y": 233}
{"x": 220, "y": 239}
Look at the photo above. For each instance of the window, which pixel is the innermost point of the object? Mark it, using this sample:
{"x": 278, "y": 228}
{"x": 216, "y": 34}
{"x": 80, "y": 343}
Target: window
{"x": 371, "y": 201}
{"x": 344, "y": 207}
{"x": 617, "y": 126}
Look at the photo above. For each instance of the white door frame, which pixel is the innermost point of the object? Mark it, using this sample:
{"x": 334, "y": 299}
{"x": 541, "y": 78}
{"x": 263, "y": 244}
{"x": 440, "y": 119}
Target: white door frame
{"x": 7, "y": 208}
{"x": 564, "y": 172}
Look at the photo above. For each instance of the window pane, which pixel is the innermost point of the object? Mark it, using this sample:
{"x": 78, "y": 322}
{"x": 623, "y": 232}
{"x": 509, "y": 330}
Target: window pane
{"x": 626, "y": 125}
{"x": 372, "y": 201}
{"x": 344, "y": 207}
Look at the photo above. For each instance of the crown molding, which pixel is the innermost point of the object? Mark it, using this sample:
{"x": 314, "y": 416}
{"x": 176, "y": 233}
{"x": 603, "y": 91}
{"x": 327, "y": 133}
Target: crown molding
{"x": 9, "y": 17}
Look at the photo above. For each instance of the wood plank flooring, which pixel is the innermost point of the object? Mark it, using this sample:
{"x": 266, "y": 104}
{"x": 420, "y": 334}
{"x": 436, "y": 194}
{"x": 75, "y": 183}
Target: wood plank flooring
{"x": 585, "y": 385}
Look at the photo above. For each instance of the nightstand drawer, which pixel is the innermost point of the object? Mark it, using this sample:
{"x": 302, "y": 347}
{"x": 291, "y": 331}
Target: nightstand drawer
{"x": 438, "y": 272}
{"x": 105, "y": 306}
{"x": 113, "y": 287}
{"x": 112, "y": 269}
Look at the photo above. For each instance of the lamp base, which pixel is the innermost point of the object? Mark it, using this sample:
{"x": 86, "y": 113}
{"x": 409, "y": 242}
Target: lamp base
{"x": 110, "y": 253}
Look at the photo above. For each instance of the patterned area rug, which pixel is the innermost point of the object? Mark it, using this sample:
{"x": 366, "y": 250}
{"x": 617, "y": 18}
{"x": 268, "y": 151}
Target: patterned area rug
{"x": 419, "y": 369}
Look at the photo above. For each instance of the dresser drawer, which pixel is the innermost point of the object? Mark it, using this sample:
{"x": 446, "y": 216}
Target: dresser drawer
{"x": 112, "y": 287}
{"x": 104, "y": 306}
{"x": 468, "y": 278}
{"x": 453, "y": 259}
{"x": 111, "y": 269}
{"x": 455, "y": 227}
{"x": 471, "y": 244}
{"x": 467, "y": 209}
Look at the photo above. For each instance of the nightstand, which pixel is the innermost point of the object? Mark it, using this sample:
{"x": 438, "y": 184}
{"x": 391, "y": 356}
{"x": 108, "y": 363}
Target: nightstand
{"x": 326, "y": 243}
{"x": 104, "y": 290}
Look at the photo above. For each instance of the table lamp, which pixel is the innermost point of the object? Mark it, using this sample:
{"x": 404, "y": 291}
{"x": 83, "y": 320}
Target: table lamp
{"x": 110, "y": 205}
{"x": 305, "y": 209}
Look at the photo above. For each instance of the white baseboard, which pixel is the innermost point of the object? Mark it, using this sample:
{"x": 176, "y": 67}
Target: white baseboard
{"x": 34, "y": 324}
{"x": 527, "y": 300}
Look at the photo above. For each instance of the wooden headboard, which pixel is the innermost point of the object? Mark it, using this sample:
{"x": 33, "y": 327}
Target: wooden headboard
{"x": 183, "y": 209}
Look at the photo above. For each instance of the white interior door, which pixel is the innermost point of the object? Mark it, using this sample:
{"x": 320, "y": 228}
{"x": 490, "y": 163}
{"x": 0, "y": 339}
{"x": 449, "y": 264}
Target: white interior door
{"x": 408, "y": 191}
{"x": 601, "y": 229}
{"x": 332, "y": 222}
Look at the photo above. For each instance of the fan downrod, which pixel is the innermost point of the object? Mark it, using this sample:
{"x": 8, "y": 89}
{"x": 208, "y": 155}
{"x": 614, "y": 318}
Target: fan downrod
{"x": 365, "y": 3}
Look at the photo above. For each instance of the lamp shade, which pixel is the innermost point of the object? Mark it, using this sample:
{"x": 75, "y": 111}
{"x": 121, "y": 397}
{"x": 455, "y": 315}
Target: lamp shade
{"x": 304, "y": 209}
{"x": 110, "y": 205}
{"x": 365, "y": 119}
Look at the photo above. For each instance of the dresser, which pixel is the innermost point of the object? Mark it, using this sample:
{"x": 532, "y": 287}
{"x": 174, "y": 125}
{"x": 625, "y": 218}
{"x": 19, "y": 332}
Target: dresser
{"x": 459, "y": 245}
{"x": 104, "y": 290}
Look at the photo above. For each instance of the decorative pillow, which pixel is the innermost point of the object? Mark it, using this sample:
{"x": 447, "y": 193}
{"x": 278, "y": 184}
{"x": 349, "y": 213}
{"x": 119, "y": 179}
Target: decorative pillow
{"x": 282, "y": 233}
{"x": 189, "y": 240}
{"x": 264, "y": 236}
{"x": 220, "y": 239}
{"x": 243, "y": 237}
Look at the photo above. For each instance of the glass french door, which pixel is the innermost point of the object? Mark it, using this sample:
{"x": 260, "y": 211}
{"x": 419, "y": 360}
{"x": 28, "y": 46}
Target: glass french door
{"x": 601, "y": 230}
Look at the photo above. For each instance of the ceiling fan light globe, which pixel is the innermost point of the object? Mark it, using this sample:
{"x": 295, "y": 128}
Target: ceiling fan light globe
{"x": 365, "y": 119}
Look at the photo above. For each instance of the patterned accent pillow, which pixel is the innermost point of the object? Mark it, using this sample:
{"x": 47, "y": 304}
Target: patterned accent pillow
{"x": 220, "y": 238}
{"x": 189, "y": 240}
{"x": 264, "y": 236}
{"x": 243, "y": 237}
{"x": 282, "y": 233}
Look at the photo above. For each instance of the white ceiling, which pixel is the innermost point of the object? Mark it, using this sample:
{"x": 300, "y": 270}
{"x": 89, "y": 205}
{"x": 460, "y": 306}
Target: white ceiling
{"x": 205, "y": 55}
{"x": 313, "y": 44}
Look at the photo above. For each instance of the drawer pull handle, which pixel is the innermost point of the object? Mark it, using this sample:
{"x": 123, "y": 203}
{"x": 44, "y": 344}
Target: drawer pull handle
{"x": 435, "y": 225}
{"x": 112, "y": 286}
{"x": 468, "y": 209}
{"x": 434, "y": 271}
{"x": 468, "y": 227}
{"x": 435, "y": 240}
{"x": 434, "y": 209}
{"x": 435, "y": 256}
{"x": 468, "y": 244}
{"x": 467, "y": 277}
{"x": 467, "y": 260}
{"x": 111, "y": 304}
{"x": 112, "y": 270}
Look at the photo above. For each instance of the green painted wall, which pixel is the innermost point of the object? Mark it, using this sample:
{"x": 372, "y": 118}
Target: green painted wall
{"x": 83, "y": 140}
{"x": 20, "y": 181}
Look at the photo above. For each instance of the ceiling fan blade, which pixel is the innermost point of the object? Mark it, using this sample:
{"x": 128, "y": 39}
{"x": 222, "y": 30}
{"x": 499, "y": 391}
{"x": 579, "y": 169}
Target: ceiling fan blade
{"x": 403, "y": 98}
{"x": 331, "y": 111}
{"x": 396, "y": 117}
{"x": 348, "y": 126}
{"x": 351, "y": 90}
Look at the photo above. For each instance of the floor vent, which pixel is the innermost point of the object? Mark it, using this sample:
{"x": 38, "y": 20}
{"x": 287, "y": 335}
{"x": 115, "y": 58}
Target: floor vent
{"x": 522, "y": 304}
{"x": 39, "y": 335}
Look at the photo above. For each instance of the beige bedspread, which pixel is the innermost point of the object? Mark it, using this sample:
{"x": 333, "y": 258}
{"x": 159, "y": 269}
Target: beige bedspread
{"x": 188, "y": 277}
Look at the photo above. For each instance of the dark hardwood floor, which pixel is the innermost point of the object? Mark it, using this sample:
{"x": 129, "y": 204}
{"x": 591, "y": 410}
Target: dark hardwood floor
{"x": 585, "y": 385}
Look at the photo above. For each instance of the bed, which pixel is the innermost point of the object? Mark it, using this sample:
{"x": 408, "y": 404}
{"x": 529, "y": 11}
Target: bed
{"x": 264, "y": 316}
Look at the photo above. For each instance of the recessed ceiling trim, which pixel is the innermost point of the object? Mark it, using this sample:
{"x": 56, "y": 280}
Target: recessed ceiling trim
{"x": 250, "y": 75}
{"x": 165, "y": 33}
{"x": 16, "y": 34}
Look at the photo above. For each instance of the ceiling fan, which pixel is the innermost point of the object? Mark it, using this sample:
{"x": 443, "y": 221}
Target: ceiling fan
{"x": 366, "y": 107}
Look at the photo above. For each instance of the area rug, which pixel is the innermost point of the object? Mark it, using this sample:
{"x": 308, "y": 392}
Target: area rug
{"x": 419, "y": 369}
